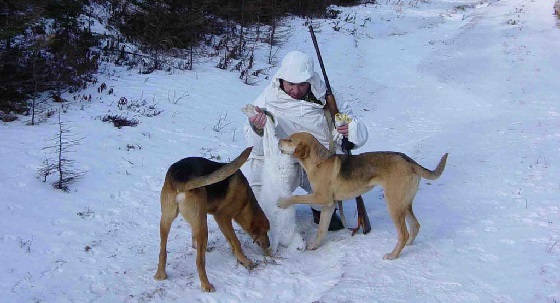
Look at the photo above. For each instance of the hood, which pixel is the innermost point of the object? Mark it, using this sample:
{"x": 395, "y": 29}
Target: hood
{"x": 298, "y": 67}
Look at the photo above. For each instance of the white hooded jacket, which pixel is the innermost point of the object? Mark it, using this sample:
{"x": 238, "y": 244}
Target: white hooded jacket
{"x": 293, "y": 115}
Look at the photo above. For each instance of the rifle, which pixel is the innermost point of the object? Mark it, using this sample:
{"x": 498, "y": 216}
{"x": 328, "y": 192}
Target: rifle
{"x": 363, "y": 220}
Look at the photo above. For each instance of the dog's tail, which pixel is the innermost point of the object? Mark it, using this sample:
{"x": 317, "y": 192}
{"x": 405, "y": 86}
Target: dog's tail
{"x": 432, "y": 174}
{"x": 216, "y": 176}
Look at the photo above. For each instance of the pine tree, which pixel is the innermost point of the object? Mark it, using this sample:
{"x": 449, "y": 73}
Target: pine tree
{"x": 58, "y": 163}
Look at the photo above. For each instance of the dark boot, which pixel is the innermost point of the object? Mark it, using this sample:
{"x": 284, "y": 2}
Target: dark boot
{"x": 336, "y": 223}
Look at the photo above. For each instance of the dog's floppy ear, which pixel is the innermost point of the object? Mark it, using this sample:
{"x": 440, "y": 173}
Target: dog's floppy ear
{"x": 301, "y": 151}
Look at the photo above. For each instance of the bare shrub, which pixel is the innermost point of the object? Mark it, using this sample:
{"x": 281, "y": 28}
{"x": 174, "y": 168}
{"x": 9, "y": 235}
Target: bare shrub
{"x": 221, "y": 123}
{"x": 142, "y": 107}
{"x": 120, "y": 121}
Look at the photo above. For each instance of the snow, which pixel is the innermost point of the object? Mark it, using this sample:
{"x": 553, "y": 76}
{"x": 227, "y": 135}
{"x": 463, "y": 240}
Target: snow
{"x": 477, "y": 79}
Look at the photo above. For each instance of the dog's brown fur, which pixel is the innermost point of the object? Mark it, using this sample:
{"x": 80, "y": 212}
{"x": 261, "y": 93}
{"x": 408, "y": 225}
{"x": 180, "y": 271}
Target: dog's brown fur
{"x": 195, "y": 187}
{"x": 342, "y": 177}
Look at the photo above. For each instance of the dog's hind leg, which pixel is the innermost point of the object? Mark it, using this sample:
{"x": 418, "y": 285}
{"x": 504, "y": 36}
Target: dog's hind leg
{"x": 227, "y": 229}
{"x": 397, "y": 196}
{"x": 324, "y": 221}
{"x": 411, "y": 188}
{"x": 413, "y": 225}
{"x": 169, "y": 210}
{"x": 194, "y": 212}
{"x": 398, "y": 216}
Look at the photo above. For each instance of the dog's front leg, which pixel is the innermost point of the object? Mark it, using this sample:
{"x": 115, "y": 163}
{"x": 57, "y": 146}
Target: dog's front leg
{"x": 226, "y": 227}
{"x": 325, "y": 220}
{"x": 302, "y": 199}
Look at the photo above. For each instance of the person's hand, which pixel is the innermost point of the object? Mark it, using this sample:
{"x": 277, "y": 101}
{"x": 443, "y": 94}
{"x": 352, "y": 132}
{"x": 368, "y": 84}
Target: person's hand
{"x": 343, "y": 130}
{"x": 259, "y": 119}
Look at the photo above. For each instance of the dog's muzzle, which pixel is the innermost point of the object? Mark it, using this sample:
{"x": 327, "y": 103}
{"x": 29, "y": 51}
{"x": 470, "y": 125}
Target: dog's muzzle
{"x": 282, "y": 148}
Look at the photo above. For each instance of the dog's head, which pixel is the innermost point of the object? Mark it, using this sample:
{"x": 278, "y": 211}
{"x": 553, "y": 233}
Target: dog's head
{"x": 298, "y": 145}
{"x": 254, "y": 222}
{"x": 259, "y": 231}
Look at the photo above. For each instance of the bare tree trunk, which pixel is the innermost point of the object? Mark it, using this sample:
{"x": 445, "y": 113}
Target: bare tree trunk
{"x": 252, "y": 56}
{"x": 258, "y": 33}
{"x": 193, "y": 34}
{"x": 59, "y": 166}
{"x": 190, "y": 56}
{"x": 8, "y": 37}
{"x": 35, "y": 82}
{"x": 272, "y": 30}
{"x": 240, "y": 49}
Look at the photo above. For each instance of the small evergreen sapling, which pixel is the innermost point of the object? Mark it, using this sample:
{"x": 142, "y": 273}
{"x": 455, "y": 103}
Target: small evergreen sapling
{"x": 58, "y": 163}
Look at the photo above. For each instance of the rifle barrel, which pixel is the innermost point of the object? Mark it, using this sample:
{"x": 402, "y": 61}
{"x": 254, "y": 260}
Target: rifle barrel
{"x": 329, "y": 91}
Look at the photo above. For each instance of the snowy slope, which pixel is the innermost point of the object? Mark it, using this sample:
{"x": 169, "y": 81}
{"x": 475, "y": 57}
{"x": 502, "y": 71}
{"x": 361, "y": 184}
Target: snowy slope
{"x": 477, "y": 79}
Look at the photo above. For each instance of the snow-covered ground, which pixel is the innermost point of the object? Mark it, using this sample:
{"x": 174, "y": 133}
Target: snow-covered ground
{"x": 477, "y": 79}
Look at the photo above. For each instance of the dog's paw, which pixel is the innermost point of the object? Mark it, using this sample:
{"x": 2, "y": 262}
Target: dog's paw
{"x": 251, "y": 265}
{"x": 247, "y": 263}
{"x": 207, "y": 287}
{"x": 283, "y": 203}
{"x": 160, "y": 275}
{"x": 389, "y": 257}
{"x": 312, "y": 246}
